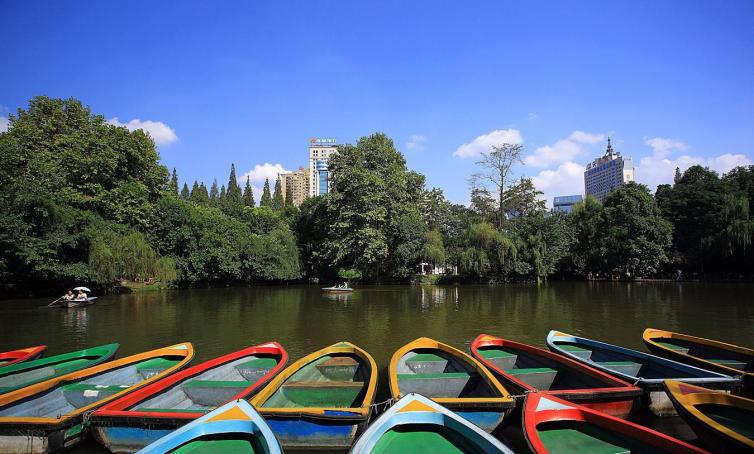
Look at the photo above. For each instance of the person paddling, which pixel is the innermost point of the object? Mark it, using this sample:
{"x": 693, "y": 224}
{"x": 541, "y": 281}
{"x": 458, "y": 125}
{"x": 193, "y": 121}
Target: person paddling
{"x": 68, "y": 296}
{"x": 81, "y": 296}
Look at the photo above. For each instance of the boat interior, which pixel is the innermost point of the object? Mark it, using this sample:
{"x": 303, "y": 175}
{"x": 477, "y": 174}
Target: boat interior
{"x": 212, "y": 387}
{"x": 426, "y": 438}
{"x": 710, "y": 353}
{"x": 539, "y": 372}
{"x": 69, "y": 397}
{"x": 42, "y": 369}
{"x": 578, "y": 436}
{"x": 638, "y": 365}
{"x": 335, "y": 381}
{"x": 437, "y": 374}
{"x": 236, "y": 442}
{"x": 737, "y": 419}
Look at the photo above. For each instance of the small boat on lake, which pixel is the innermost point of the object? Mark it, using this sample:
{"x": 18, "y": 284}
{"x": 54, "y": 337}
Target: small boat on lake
{"x": 145, "y": 415}
{"x": 338, "y": 289}
{"x": 556, "y": 426}
{"x": 708, "y": 354}
{"x": 524, "y": 368}
{"x": 323, "y": 400}
{"x": 78, "y": 302}
{"x": 20, "y": 375}
{"x": 49, "y": 416}
{"x": 233, "y": 428}
{"x": 22, "y": 354}
{"x": 417, "y": 424}
{"x": 642, "y": 369}
{"x": 723, "y": 421}
{"x": 451, "y": 378}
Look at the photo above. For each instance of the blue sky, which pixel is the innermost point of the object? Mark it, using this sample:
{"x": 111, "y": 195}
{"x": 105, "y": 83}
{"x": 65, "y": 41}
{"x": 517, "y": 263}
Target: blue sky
{"x": 250, "y": 82}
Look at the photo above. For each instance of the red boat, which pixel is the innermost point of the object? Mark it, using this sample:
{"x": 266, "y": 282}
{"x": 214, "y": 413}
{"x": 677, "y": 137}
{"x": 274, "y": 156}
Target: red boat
{"x": 523, "y": 368}
{"x": 138, "y": 419}
{"x": 553, "y": 425}
{"x": 23, "y": 354}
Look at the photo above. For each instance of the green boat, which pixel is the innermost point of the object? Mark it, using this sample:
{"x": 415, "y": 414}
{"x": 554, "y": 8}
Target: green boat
{"x": 20, "y": 375}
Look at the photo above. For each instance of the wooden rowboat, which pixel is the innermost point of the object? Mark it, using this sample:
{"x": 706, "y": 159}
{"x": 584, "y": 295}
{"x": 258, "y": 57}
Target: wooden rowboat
{"x": 48, "y": 416}
{"x": 524, "y": 368}
{"x": 77, "y": 303}
{"x": 642, "y": 369}
{"x": 553, "y": 425}
{"x": 22, "y": 354}
{"x": 20, "y": 375}
{"x": 705, "y": 353}
{"x": 321, "y": 401}
{"x": 415, "y": 424}
{"x": 235, "y": 427}
{"x": 337, "y": 289}
{"x": 145, "y": 415}
{"x": 723, "y": 421}
{"x": 451, "y": 378}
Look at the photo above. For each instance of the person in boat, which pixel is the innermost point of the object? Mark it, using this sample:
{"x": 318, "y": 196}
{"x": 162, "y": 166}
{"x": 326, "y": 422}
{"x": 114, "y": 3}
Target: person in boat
{"x": 68, "y": 296}
{"x": 81, "y": 296}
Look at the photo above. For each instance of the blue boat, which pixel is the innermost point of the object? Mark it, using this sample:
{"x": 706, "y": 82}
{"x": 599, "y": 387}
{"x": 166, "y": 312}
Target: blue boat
{"x": 234, "y": 427}
{"x": 642, "y": 369}
{"x": 416, "y": 423}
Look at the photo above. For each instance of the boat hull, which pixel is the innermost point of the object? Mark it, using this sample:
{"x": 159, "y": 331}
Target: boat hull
{"x": 23, "y": 354}
{"x": 333, "y": 431}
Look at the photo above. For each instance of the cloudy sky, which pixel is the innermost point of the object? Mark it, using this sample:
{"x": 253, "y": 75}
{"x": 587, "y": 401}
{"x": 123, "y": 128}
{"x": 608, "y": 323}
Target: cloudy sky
{"x": 250, "y": 82}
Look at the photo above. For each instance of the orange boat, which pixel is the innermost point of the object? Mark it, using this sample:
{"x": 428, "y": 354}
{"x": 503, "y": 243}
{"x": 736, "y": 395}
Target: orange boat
{"x": 22, "y": 354}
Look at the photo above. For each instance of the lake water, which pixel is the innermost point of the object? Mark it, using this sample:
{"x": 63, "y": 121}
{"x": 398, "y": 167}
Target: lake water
{"x": 380, "y": 319}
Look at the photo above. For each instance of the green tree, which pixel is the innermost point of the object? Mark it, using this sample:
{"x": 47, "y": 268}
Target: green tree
{"x": 278, "y": 202}
{"x": 214, "y": 194}
{"x": 433, "y": 250}
{"x": 523, "y": 199}
{"x": 248, "y": 194}
{"x": 288, "y": 196}
{"x": 185, "y": 193}
{"x": 199, "y": 194}
{"x": 233, "y": 203}
{"x": 586, "y": 255}
{"x": 496, "y": 172}
{"x": 173, "y": 187}
{"x": 266, "y": 200}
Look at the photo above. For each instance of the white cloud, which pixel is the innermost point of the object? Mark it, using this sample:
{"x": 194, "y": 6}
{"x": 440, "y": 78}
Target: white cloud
{"x": 260, "y": 172}
{"x": 416, "y": 142}
{"x": 566, "y": 179}
{"x": 486, "y": 141}
{"x": 659, "y": 167}
{"x": 563, "y": 150}
{"x": 161, "y": 133}
{"x": 4, "y": 124}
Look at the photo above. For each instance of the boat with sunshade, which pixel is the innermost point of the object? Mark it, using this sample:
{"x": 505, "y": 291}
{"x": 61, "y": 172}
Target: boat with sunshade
{"x": 27, "y": 373}
{"x": 235, "y": 427}
{"x": 524, "y": 368}
{"x": 147, "y": 414}
{"x": 451, "y": 378}
{"x": 22, "y": 354}
{"x": 49, "y": 416}
{"x": 642, "y": 369}
{"x": 708, "y": 354}
{"x": 723, "y": 421}
{"x": 416, "y": 424}
{"x": 555, "y": 426}
{"x": 321, "y": 401}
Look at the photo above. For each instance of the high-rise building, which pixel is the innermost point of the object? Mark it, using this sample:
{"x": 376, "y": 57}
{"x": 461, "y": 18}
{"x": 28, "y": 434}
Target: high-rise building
{"x": 565, "y": 203}
{"x": 320, "y": 151}
{"x": 295, "y": 184}
{"x": 606, "y": 173}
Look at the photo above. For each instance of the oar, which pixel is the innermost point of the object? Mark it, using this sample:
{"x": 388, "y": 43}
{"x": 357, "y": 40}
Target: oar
{"x": 55, "y": 301}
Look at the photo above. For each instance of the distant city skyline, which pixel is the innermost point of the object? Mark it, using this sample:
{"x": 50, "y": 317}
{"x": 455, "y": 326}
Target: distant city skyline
{"x": 250, "y": 83}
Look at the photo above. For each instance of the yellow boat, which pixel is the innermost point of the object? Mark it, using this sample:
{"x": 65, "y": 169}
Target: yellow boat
{"x": 723, "y": 421}
{"x": 708, "y": 354}
{"x": 451, "y": 378}
{"x": 323, "y": 400}
{"x": 49, "y": 416}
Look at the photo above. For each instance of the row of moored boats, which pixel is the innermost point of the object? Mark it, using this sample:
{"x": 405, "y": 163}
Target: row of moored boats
{"x": 576, "y": 397}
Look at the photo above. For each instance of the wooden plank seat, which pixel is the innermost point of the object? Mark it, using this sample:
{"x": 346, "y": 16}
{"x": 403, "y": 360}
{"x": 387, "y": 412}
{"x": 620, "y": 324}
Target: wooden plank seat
{"x": 336, "y": 394}
{"x": 152, "y": 367}
{"x": 426, "y": 363}
{"x": 213, "y": 393}
{"x": 625, "y": 367}
{"x": 673, "y": 347}
{"x": 256, "y": 368}
{"x": 339, "y": 368}
{"x": 581, "y": 352}
{"x": 501, "y": 358}
{"x": 734, "y": 363}
{"x": 82, "y": 394}
{"x": 538, "y": 377}
{"x": 448, "y": 384}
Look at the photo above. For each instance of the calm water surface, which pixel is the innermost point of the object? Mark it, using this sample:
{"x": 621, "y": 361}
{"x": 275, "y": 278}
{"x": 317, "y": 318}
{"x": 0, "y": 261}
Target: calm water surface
{"x": 382, "y": 318}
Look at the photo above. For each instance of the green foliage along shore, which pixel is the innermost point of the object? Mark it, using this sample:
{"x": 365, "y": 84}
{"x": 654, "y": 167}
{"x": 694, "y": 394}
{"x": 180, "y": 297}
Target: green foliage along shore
{"x": 84, "y": 201}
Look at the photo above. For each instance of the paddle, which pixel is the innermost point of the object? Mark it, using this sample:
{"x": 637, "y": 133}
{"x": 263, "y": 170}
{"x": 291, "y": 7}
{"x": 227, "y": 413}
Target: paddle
{"x": 55, "y": 301}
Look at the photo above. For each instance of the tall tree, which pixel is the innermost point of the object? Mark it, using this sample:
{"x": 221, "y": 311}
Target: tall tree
{"x": 233, "y": 196}
{"x": 214, "y": 194}
{"x": 277, "y": 197}
{"x": 185, "y": 193}
{"x": 586, "y": 251}
{"x": 266, "y": 200}
{"x": 223, "y": 195}
{"x": 288, "y": 196}
{"x": 523, "y": 199}
{"x": 248, "y": 194}
{"x": 199, "y": 195}
{"x": 173, "y": 187}
{"x": 496, "y": 165}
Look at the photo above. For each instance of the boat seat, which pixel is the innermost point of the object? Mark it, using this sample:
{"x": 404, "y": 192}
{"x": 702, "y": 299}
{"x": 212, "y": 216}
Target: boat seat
{"x": 449, "y": 384}
{"x": 70, "y": 366}
{"x": 426, "y": 363}
{"x": 734, "y": 363}
{"x": 154, "y": 366}
{"x": 501, "y": 358}
{"x": 83, "y": 394}
{"x": 338, "y": 394}
{"x": 256, "y": 368}
{"x": 213, "y": 393}
{"x": 340, "y": 368}
{"x": 538, "y": 377}
{"x": 625, "y": 367}
{"x": 575, "y": 350}
{"x": 674, "y": 347}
